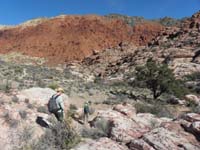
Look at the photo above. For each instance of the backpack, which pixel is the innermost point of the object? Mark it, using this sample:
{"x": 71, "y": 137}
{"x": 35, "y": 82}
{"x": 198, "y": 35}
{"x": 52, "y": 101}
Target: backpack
{"x": 86, "y": 108}
{"x": 52, "y": 105}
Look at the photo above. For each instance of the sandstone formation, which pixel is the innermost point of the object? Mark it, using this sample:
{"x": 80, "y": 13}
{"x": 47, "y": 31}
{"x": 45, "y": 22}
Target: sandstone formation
{"x": 67, "y": 38}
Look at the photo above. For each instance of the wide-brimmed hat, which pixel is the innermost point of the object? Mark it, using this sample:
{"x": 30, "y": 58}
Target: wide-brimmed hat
{"x": 60, "y": 90}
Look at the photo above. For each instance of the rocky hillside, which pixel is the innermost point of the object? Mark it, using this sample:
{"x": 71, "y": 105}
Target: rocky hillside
{"x": 144, "y": 131}
{"x": 176, "y": 46}
{"x": 124, "y": 113}
{"x": 66, "y": 38}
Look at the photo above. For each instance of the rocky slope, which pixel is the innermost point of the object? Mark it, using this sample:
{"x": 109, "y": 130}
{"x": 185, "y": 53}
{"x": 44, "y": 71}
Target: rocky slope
{"x": 122, "y": 126}
{"x": 125, "y": 129}
{"x": 177, "y": 46}
{"x": 66, "y": 38}
{"x": 145, "y": 131}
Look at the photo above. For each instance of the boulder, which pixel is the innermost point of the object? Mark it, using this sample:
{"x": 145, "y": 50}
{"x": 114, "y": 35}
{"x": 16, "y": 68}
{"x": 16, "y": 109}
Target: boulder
{"x": 179, "y": 127}
{"x": 101, "y": 144}
{"x": 123, "y": 128}
{"x": 163, "y": 139}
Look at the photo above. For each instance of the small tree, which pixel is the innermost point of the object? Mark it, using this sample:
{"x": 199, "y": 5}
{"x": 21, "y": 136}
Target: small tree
{"x": 156, "y": 77}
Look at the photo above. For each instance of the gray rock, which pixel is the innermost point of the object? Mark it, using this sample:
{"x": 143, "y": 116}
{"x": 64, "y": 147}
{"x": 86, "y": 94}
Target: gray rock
{"x": 163, "y": 139}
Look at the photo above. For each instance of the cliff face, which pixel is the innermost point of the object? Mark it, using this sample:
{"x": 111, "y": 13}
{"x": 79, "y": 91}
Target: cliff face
{"x": 66, "y": 38}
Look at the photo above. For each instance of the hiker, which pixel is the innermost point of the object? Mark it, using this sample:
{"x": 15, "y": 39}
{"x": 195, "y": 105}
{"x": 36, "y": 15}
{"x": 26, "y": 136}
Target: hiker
{"x": 86, "y": 110}
{"x": 56, "y": 105}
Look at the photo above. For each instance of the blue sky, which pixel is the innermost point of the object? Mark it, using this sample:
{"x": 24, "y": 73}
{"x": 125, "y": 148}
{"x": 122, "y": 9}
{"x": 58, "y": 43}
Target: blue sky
{"x": 18, "y": 11}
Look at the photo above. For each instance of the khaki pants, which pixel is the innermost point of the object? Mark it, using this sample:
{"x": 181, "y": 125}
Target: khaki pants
{"x": 86, "y": 116}
{"x": 59, "y": 115}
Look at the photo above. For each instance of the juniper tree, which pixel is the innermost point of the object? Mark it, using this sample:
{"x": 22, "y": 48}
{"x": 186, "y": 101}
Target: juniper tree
{"x": 158, "y": 78}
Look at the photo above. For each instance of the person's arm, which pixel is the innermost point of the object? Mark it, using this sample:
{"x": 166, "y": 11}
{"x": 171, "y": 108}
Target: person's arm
{"x": 60, "y": 102}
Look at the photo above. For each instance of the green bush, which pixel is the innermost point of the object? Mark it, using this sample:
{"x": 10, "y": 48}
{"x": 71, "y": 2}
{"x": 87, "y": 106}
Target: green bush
{"x": 194, "y": 76}
{"x": 73, "y": 107}
{"x": 15, "y": 99}
{"x": 23, "y": 114}
{"x": 194, "y": 107}
{"x": 101, "y": 128}
{"x": 24, "y": 139}
{"x": 53, "y": 85}
{"x": 6, "y": 87}
{"x": 13, "y": 123}
{"x": 159, "y": 79}
{"x": 30, "y": 106}
{"x": 92, "y": 133}
{"x": 60, "y": 137}
{"x": 43, "y": 109}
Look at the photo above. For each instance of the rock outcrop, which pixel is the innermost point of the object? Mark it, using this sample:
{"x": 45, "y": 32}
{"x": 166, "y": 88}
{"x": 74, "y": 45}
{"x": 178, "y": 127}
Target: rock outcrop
{"x": 176, "y": 46}
{"x": 21, "y": 113}
{"x": 145, "y": 131}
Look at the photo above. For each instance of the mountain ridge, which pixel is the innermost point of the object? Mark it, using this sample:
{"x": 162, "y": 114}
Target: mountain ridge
{"x": 66, "y": 38}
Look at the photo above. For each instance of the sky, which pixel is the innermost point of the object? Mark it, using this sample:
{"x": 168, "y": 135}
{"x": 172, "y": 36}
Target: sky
{"x": 14, "y": 12}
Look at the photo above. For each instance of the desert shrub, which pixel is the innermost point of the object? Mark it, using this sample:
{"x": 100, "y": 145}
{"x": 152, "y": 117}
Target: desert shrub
{"x": 111, "y": 102}
{"x": 194, "y": 107}
{"x": 72, "y": 107}
{"x": 98, "y": 80}
{"x": 192, "y": 77}
{"x": 18, "y": 70}
{"x": 40, "y": 83}
{"x": 30, "y": 106}
{"x": 53, "y": 85}
{"x": 6, "y": 87}
{"x": 13, "y": 123}
{"x": 72, "y": 110}
{"x": 92, "y": 133}
{"x": 26, "y": 101}
{"x": 23, "y": 114}
{"x": 159, "y": 79}
{"x": 104, "y": 125}
{"x": 61, "y": 136}
{"x": 2, "y": 102}
{"x": 101, "y": 128}
{"x": 178, "y": 89}
{"x": 43, "y": 109}
{"x": 15, "y": 99}
{"x": 156, "y": 109}
{"x": 24, "y": 139}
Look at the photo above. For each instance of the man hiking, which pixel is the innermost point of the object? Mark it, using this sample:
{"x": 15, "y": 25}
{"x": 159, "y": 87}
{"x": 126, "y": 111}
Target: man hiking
{"x": 56, "y": 105}
{"x": 86, "y": 111}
